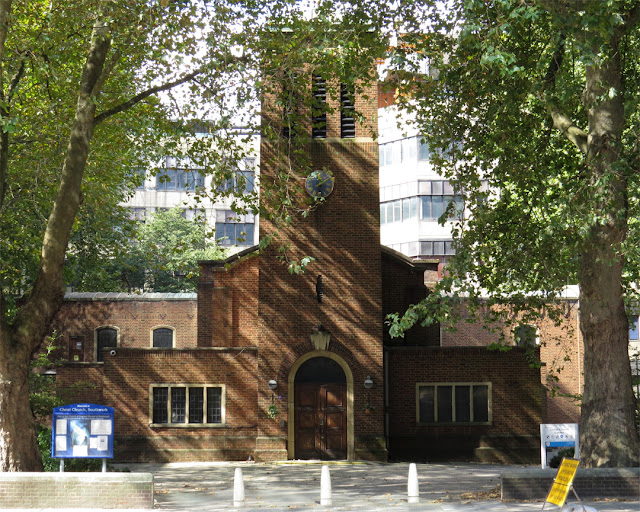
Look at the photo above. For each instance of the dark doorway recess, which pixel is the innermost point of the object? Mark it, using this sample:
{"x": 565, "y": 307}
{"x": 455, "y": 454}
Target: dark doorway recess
{"x": 320, "y": 410}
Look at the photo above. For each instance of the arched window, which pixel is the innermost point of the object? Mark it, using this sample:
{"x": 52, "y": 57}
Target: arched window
{"x": 163, "y": 337}
{"x": 106, "y": 337}
{"x": 526, "y": 335}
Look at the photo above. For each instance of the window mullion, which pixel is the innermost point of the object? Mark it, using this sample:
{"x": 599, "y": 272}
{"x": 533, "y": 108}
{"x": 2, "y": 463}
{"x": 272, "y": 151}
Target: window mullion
{"x": 453, "y": 403}
{"x": 435, "y": 404}
{"x": 205, "y": 405}
{"x": 169, "y": 418}
{"x": 471, "y": 403}
{"x": 186, "y": 405}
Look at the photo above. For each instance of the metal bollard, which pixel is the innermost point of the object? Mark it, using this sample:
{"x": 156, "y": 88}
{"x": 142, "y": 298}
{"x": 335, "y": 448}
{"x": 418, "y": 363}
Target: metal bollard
{"x": 238, "y": 489}
{"x": 325, "y": 487}
{"x": 413, "y": 490}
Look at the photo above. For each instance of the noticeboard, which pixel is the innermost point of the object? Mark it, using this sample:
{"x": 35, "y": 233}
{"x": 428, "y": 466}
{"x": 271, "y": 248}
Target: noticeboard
{"x": 556, "y": 436}
{"x": 82, "y": 431}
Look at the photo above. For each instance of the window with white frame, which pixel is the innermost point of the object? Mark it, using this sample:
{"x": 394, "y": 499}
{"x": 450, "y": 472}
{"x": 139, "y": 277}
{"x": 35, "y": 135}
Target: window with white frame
{"x": 187, "y": 405}
{"x": 633, "y": 328}
{"x": 162, "y": 337}
{"x": 433, "y": 200}
{"x": 454, "y": 403}
{"x": 177, "y": 176}
{"x": 234, "y": 229}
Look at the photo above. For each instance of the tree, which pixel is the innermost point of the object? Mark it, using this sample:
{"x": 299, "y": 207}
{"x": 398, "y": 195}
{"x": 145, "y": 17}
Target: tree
{"x": 161, "y": 255}
{"x": 67, "y": 73}
{"x": 79, "y": 107}
{"x": 540, "y": 98}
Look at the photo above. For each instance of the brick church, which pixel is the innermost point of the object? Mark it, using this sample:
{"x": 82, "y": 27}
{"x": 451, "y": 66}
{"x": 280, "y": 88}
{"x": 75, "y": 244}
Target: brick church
{"x": 271, "y": 365}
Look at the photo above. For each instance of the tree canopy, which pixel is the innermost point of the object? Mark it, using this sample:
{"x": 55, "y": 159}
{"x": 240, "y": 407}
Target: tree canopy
{"x": 159, "y": 255}
{"x": 91, "y": 90}
{"x": 541, "y": 100}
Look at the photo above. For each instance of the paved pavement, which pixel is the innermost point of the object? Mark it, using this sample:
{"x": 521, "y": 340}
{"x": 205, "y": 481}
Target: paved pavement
{"x": 464, "y": 487}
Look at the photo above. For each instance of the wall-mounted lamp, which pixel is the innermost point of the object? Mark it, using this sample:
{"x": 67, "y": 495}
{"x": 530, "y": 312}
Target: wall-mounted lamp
{"x": 368, "y": 382}
{"x": 273, "y": 384}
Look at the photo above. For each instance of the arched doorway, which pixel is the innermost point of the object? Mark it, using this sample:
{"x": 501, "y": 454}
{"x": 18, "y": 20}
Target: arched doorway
{"x": 321, "y": 413}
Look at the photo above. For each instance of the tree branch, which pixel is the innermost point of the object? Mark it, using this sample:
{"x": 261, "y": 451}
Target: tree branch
{"x": 145, "y": 94}
{"x": 565, "y": 125}
{"x": 15, "y": 81}
{"x": 561, "y": 121}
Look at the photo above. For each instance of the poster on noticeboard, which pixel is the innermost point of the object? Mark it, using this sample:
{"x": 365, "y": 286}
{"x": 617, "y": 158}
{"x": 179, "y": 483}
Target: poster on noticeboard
{"x": 82, "y": 431}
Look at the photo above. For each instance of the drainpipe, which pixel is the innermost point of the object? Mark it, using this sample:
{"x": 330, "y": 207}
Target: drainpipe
{"x": 385, "y": 366}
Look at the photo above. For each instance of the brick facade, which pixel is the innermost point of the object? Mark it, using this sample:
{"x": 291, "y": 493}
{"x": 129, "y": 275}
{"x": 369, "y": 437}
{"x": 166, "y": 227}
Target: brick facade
{"x": 252, "y": 323}
{"x": 517, "y": 405}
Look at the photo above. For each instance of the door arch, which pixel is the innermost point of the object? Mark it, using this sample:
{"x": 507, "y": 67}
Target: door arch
{"x": 348, "y": 381}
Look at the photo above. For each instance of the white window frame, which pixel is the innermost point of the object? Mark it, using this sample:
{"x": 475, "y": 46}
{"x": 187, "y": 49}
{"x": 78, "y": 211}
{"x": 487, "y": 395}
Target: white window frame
{"x": 436, "y": 385}
{"x": 173, "y": 336}
{"x": 186, "y": 424}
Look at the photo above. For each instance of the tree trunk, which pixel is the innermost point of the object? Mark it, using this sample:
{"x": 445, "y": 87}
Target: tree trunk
{"x": 18, "y": 444}
{"x": 608, "y": 436}
{"x": 18, "y": 342}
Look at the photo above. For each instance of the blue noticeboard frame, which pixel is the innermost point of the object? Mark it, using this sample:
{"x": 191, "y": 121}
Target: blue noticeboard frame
{"x": 82, "y": 431}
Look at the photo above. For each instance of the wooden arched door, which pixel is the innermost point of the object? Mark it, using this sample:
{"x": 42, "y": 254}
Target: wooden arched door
{"x": 320, "y": 410}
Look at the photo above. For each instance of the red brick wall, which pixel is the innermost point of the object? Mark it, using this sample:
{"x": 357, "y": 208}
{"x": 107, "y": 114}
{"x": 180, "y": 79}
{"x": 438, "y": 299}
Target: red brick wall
{"x": 128, "y": 377}
{"x": 80, "y": 383}
{"x": 517, "y": 404}
{"x": 228, "y": 303}
{"x": 561, "y": 352}
{"x": 403, "y": 285}
{"x": 134, "y": 318}
{"x": 343, "y": 235}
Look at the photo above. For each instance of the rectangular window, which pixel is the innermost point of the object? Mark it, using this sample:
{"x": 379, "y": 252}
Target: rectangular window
{"x": 214, "y": 405}
{"x": 397, "y": 210}
{"x": 423, "y": 149}
{"x": 178, "y": 405}
{"x": 160, "y": 403}
{"x": 409, "y": 149}
{"x": 240, "y": 182}
{"x": 234, "y": 229}
{"x": 633, "y": 327}
{"x": 437, "y": 207}
{"x": 184, "y": 405}
{"x": 178, "y": 179}
{"x": 196, "y": 405}
{"x": 451, "y": 403}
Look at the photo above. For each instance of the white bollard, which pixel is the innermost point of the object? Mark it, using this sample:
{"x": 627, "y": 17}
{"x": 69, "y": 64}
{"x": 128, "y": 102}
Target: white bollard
{"x": 325, "y": 487}
{"x": 413, "y": 490}
{"x": 238, "y": 489}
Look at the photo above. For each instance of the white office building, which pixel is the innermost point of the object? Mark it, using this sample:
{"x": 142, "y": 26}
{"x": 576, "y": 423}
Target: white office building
{"x": 176, "y": 184}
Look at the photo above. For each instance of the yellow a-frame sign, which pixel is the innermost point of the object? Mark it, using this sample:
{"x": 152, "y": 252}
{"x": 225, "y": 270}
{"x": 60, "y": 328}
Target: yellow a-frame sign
{"x": 563, "y": 482}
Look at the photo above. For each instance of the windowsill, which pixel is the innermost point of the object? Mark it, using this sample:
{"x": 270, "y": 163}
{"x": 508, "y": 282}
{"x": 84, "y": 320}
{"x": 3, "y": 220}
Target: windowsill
{"x": 457, "y": 424}
{"x": 187, "y": 425}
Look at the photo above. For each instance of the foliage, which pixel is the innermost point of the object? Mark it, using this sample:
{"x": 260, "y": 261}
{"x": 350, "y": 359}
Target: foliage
{"x": 160, "y": 255}
{"x": 539, "y": 101}
{"x": 42, "y": 392}
{"x": 272, "y": 411}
